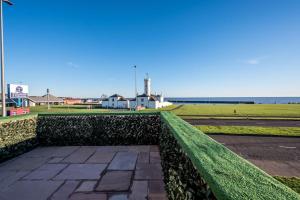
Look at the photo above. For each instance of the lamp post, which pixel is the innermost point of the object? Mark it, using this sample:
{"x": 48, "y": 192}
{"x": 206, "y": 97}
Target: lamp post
{"x": 48, "y": 92}
{"x": 135, "y": 87}
{"x": 2, "y": 57}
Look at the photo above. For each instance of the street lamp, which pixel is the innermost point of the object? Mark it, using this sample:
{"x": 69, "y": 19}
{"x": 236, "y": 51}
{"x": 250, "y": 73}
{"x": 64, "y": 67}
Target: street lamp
{"x": 2, "y": 56}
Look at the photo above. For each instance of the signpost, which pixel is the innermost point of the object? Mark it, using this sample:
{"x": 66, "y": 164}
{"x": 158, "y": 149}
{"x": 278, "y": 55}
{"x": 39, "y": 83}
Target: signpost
{"x": 2, "y": 56}
{"x": 17, "y": 91}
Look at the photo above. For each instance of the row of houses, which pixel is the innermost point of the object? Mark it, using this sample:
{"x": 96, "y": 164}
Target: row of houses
{"x": 145, "y": 100}
{"x": 117, "y": 101}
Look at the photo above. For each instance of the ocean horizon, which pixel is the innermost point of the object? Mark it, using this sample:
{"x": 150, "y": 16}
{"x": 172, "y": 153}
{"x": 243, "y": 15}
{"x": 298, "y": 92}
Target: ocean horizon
{"x": 256, "y": 100}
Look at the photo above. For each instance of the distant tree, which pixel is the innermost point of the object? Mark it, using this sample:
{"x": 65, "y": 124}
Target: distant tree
{"x": 234, "y": 111}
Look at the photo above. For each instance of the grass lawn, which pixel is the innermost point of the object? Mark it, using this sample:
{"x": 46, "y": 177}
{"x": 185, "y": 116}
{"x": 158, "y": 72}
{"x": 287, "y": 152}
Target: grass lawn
{"x": 242, "y": 110}
{"x": 293, "y": 183}
{"x": 251, "y": 130}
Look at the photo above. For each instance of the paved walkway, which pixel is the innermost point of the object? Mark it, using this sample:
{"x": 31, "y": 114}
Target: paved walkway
{"x": 275, "y": 155}
{"x": 86, "y": 172}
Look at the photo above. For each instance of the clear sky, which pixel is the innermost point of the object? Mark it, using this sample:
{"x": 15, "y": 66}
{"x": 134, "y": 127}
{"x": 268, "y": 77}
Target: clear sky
{"x": 190, "y": 48}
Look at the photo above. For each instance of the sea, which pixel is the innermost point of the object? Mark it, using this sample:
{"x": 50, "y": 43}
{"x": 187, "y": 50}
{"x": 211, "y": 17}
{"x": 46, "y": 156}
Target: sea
{"x": 255, "y": 100}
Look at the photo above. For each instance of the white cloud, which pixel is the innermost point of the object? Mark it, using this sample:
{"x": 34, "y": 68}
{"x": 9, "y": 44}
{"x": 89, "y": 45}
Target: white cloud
{"x": 253, "y": 61}
{"x": 72, "y": 65}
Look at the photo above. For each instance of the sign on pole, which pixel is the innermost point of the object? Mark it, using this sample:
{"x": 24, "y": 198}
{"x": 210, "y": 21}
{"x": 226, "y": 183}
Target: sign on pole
{"x": 17, "y": 91}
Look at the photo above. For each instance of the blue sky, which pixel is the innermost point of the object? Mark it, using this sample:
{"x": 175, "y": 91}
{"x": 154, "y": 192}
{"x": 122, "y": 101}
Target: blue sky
{"x": 189, "y": 48}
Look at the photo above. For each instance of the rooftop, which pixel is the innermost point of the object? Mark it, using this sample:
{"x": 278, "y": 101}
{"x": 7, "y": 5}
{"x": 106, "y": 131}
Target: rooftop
{"x": 44, "y": 98}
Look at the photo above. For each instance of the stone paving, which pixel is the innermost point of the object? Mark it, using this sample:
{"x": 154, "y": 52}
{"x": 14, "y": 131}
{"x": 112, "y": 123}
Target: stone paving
{"x": 84, "y": 172}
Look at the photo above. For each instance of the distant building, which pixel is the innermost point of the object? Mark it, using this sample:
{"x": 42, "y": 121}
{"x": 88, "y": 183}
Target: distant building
{"x": 72, "y": 101}
{"x": 8, "y": 102}
{"x": 146, "y": 100}
{"x": 43, "y": 100}
{"x": 115, "y": 101}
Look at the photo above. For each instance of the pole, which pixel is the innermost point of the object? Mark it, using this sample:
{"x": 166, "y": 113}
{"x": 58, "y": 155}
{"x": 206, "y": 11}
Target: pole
{"x": 48, "y": 99}
{"x": 136, "y": 101}
{"x": 2, "y": 62}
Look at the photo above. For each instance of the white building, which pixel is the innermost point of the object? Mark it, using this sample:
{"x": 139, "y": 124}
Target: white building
{"x": 115, "y": 101}
{"x": 146, "y": 100}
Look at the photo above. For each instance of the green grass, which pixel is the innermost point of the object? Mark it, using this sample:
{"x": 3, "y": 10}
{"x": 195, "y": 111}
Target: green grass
{"x": 241, "y": 118}
{"x": 227, "y": 174}
{"x": 292, "y": 182}
{"x": 250, "y": 130}
{"x": 242, "y": 110}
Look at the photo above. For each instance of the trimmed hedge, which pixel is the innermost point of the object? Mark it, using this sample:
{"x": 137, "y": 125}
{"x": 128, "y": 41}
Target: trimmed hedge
{"x": 17, "y": 136}
{"x": 228, "y": 175}
{"x": 99, "y": 129}
{"x": 182, "y": 179}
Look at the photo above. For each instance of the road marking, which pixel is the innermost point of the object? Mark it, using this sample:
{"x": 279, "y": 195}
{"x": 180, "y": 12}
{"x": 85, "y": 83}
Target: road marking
{"x": 287, "y": 147}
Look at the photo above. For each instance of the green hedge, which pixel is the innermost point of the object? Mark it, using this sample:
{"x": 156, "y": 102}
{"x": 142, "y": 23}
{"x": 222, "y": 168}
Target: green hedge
{"x": 99, "y": 129}
{"x": 183, "y": 181}
{"x": 17, "y": 136}
{"x": 228, "y": 175}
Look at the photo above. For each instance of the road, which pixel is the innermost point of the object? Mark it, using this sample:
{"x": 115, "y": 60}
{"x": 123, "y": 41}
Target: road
{"x": 244, "y": 122}
{"x": 275, "y": 155}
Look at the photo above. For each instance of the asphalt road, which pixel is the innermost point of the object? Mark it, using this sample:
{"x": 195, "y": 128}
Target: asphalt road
{"x": 244, "y": 122}
{"x": 275, "y": 155}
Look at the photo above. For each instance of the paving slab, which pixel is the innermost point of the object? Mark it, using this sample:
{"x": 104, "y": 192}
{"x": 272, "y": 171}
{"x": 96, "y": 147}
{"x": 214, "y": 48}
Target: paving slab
{"x": 23, "y": 163}
{"x": 101, "y": 157}
{"x": 148, "y": 172}
{"x": 143, "y": 157}
{"x": 10, "y": 178}
{"x": 115, "y": 181}
{"x": 80, "y": 155}
{"x": 157, "y": 190}
{"x": 51, "y": 151}
{"x": 30, "y": 190}
{"x": 65, "y": 190}
{"x": 46, "y": 171}
{"x": 139, "y": 190}
{"x": 86, "y": 186}
{"x": 123, "y": 161}
{"x": 89, "y": 196}
{"x": 107, "y": 148}
{"x": 81, "y": 171}
{"x": 118, "y": 197}
{"x": 155, "y": 157}
{"x": 139, "y": 148}
{"x": 56, "y": 160}
{"x": 154, "y": 148}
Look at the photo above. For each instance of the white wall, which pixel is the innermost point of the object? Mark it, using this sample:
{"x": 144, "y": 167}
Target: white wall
{"x": 105, "y": 104}
{"x": 153, "y": 104}
{"x": 123, "y": 104}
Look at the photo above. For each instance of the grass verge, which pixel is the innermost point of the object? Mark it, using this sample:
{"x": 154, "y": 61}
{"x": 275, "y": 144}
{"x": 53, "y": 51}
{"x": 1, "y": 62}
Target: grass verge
{"x": 240, "y": 110}
{"x": 251, "y": 130}
{"x": 292, "y": 182}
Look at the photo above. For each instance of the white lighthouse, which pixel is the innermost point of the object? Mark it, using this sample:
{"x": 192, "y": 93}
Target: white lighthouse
{"x": 147, "y": 85}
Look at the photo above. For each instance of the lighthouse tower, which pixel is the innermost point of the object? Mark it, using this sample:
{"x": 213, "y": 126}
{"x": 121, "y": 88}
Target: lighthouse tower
{"x": 147, "y": 85}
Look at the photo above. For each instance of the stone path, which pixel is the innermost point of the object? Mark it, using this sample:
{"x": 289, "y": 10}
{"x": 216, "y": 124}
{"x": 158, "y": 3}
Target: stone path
{"x": 84, "y": 172}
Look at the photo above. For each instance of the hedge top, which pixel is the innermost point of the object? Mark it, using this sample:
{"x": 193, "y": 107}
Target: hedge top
{"x": 97, "y": 113}
{"x": 16, "y": 118}
{"x": 228, "y": 175}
